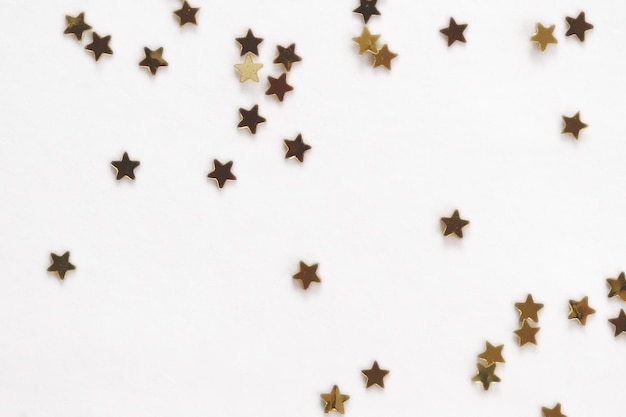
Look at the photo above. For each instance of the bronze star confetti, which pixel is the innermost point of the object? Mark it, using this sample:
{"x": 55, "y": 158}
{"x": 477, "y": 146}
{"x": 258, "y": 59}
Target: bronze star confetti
{"x": 278, "y": 86}
{"x": 619, "y": 322}
{"x": 287, "y": 56}
{"x": 383, "y": 57}
{"x": 454, "y": 224}
{"x": 543, "y": 36}
{"x": 248, "y": 70}
{"x": 486, "y": 375}
{"x": 526, "y": 334}
{"x": 528, "y": 309}
{"x": 573, "y": 125}
{"x": 296, "y": 148}
{"x": 153, "y": 60}
{"x": 249, "y": 43}
{"x": 454, "y": 32}
{"x": 579, "y": 310}
{"x": 334, "y": 400}
{"x": 186, "y": 14}
{"x": 492, "y": 354}
{"x": 222, "y": 172}
{"x": 367, "y": 9}
{"x": 125, "y": 167}
{"x": 366, "y": 41}
{"x": 307, "y": 274}
{"x": 375, "y": 375}
{"x": 99, "y": 45}
{"x": 578, "y": 26}
{"x": 61, "y": 264}
{"x": 617, "y": 286}
{"x": 250, "y": 119}
{"x": 76, "y": 25}
{"x": 552, "y": 412}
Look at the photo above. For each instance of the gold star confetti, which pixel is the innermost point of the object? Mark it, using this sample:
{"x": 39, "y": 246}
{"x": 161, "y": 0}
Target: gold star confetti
{"x": 619, "y": 322}
{"x": 307, "y": 274}
{"x": 375, "y": 375}
{"x": 248, "y": 70}
{"x": 334, "y": 400}
{"x": 617, "y": 286}
{"x": 486, "y": 375}
{"x": 454, "y": 224}
{"x": 76, "y": 25}
{"x": 543, "y": 36}
{"x": 579, "y": 310}
{"x": 526, "y": 333}
{"x": 61, "y": 264}
{"x": 573, "y": 125}
{"x": 366, "y": 41}
{"x": 383, "y": 57}
{"x": 153, "y": 60}
{"x": 528, "y": 309}
{"x": 186, "y": 14}
{"x": 552, "y": 412}
{"x": 492, "y": 354}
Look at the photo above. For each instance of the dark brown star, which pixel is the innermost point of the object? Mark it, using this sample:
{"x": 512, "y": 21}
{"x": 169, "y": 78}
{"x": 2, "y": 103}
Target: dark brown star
{"x": 617, "y": 286}
{"x": 573, "y": 125}
{"x": 287, "y": 56}
{"x": 278, "y": 86}
{"x": 222, "y": 172}
{"x": 153, "y": 60}
{"x": 454, "y": 32}
{"x": 367, "y": 9}
{"x": 307, "y": 274}
{"x": 125, "y": 167}
{"x": 76, "y": 26}
{"x": 249, "y": 43}
{"x": 99, "y": 45}
{"x": 375, "y": 375}
{"x": 296, "y": 148}
{"x": 61, "y": 264}
{"x": 578, "y": 26}
{"x": 454, "y": 224}
{"x": 619, "y": 322}
{"x": 250, "y": 118}
{"x": 186, "y": 14}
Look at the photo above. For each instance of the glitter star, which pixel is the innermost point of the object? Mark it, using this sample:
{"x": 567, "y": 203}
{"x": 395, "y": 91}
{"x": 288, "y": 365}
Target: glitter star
{"x": 454, "y": 32}
{"x": 383, "y": 57}
{"x": 454, "y": 224}
{"x": 61, "y": 264}
{"x": 375, "y": 375}
{"x": 617, "y": 286}
{"x": 486, "y": 375}
{"x": 367, "y": 9}
{"x": 153, "y": 60}
{"x": 334, "y": 400}
{"x": 76, "y": 26}
{"x": 296, "y": 148}
{"x": 222, "y": 173}
{"x": 278, "y": 86}
{"x": 250, "y": 119}
{"x": 552, "y": 412}
{"x": 526, "y": 333}
{"x": 248, "y": 70}
{"x": 543, "y": 36}
{"x": 492, "y": 354}
{"x": 307, "y": 274}
{"x": 99, "y": 45}
{"x": 619, "y": 322}
{"x": 366, "y": 41}
{"x": 287, "y": 56}
{"x": 578, "y": 26}
{"x": 186, "y": 14}
{"x": 573, "y": 125}
{"x": 125, "y": 167}
{"x": 249, "y": 43}
{"x": 528, "y": 309}
{"x": 579, "y": 310}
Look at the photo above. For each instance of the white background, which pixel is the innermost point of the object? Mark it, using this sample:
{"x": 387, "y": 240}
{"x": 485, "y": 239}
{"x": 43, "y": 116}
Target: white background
{"x": 182, "y": 303}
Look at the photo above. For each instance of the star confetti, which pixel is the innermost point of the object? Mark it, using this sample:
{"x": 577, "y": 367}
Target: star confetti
{"x": 186, "y": 14}
{"x": 222, "y": 173}
{"x": 61, "y": 264}
{"x": 375, "y": 375}
{"x": 334, "y": 400}
{"x": 492, "y": 354}
{"x": 619, "y": 323}
{"x": 248, "y": 69}
{"x": 454, "y": 224}
{"x": 528, "y": 309}
{"x": 573, "y": 125}
{"x": 296, "y": 148}
{"x": 486, "y": 375}
{"x": 153, "y": 60}
{"x": 383, "y": 57}
{"x": 367, "y": 9}
{"x": 250, "y": 119}
{"x": 526, "y": 334}
{"x": 578, "y": 26}
{"x": 278, "y": 86}
{"x": 307, "y": 274}
{"x": 579, "y": 310}
{"x": 125, "y": 167}
{"x": 287, "y": 56}
{"x": 617, "y": 286}
{"x": 76, "y": 26}
{"x": 249, "y": 43}
{"x": 552, "y": 412}
{"x": 99, "y": 45}
{"x": 454, "y": 32}
{"x": 367, "y": 42}
{"x": 543, "y": 36}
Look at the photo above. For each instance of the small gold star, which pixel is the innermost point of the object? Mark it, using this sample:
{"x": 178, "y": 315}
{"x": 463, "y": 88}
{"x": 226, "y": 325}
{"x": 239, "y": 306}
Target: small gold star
{"x": 383, "y": 57}
{"x": 248, "y": 70}
{"x": 334, "y": 400}
{"x": 619, "y": 322}
{"x": 573, "y": 125}
{"x": 307, "y": 274}
{"x": 526, "y": 333}
{"x": 552, "y": 412}
{"x": 61, "y": 264}
{"x": 375, "y": 375}
{"x": 579, "y": 310}
{"x": 76, "y": 25}
{"x": 492, "y": 354}
{"x": 454, "y": 224}
{"x": 528, "y": 309}
{"x": 153, "y": 60}
{"x": 543, "y": 36}
{"x": 186, "y": 14}
{"x": 486, "y": 375}
{"x": 367, "y": 42}
{"x": 617, "y": 286}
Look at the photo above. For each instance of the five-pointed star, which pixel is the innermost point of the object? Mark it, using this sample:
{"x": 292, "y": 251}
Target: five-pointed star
{"x": 153, "y": 60}
{"x": 526, "y": 333}
{"x": 278, "y": 86}
{"x": 248, "y": 70}
{"x": 375, "y": 375}
{"x": 296, "y": 148}
{"x": 579, "y": 310}
{"x": 125, "y": 167}
{"x": 492, "y": 354}
{"x": 287, "y": 56}
{"x": 486, "y": 375}
{"x": 454, "y": 32}
{"x": 186, "y": 14}
{"x": 61, "y": 264}
{"x": 222, "y": 172}
{"x": 250, "y": 118}
{"x": 307, "y": 274}
{"x": 366, "y": 41}
{"x": 543, "y": 36}
{"x": 76, "y": 25}
{"x": 619, "y": 322}
{"x": 334, "y": 400}
{"x": 249, "y": 43}
{"x": 454, "y": 224}
{"x": 552, "y": 412}
{"x": 578, "y": 26}
{"x": 617, "y": 286}
{"x": 383, "y": 57}
{"x": 573, "y": 125}
{"x": 528, "y": 309}
{"x": 367, "y": 9}
{"x": 99, "y": 45}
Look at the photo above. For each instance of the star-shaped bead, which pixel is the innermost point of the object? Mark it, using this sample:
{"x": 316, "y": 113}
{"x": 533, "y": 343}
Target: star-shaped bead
{"x": 249, "y": 43}
{"x": 367, "y": 9}
{"x": 248, "y": 69}
{"x": 617, "y": 286}
{"x": 619, "y": 322}
{"x": 307, "y": 274}
{"x": 454, "y": 224}
{"x": 186, "y": 14}
{"x": 125, "y": 167}
{"x": 454, "y": 32}
{"x": 287, "y": 56}
{"x": 334, "y": 400}
{"x": 222, "y": 173}
{"x": 492, "y": 354}
{"x": 543, "y": 36}
{"x": 296, "y": 148}
{"x": 578, "y": 26}
{"x": 278, "y": 86}
{"x": 383, "y": 57}
{"x": 528, "y": 309}
{"x": 61, "y": 264}
{"x": 486, "y": 375}
{"x": 526, "y": 334}
{"x": 573, "y": 125}
{"x": 552, "y": 412}
{"x": 250, "y": 119}
{"x": 153, "y": 60}
{"x": 76, "y": 26}
{"x": 375, "y": 375}
{"x": 99, "y": 45}
{"x": 579, "y": 310}
{"x": 366, "y": 41}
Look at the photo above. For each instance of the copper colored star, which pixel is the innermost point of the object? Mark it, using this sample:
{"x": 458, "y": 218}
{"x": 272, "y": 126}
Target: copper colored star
{"x": 296, "y": 148}
{"x": 492, "y": 354}
{"x": 334, "y": 400}
{"x": 278, "y": 86}
{"x": 528, "y": 309}
{"x": 552, "y": 412}
{"x": 617, "y": 286}
{"x": 125, "y": 167}
{"x": 375, "y": 375}
{"x": 486, "y": 375}
{"x": 526, "y": 334}
{"x": 222, "y": 172}
{"x": 578, "y": 26}
{"x": 454, "y": 32}
{"x": 76, "y": 26}
{"x": 61, "y": 264}
{"x": 383, "y": 57}
{"x": 619, "y": 322}
{"x": 250, "y": 119}
{"x": 543, "y": 36}
{"x": 287, "y": 56}
{"x": 99, "y": 45}
{"x": 573, "y": 125}
{"x": 307, "y": 274}
{"x": 249, "y": 43}
{"x": 579, "y": 310}
{"x": 186, "y": 14}
{"x": 366, "y": 41}
{"x": 454, "y": 224}
{"x": 153, "y": 60}
{"x": 367, "y": 9}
